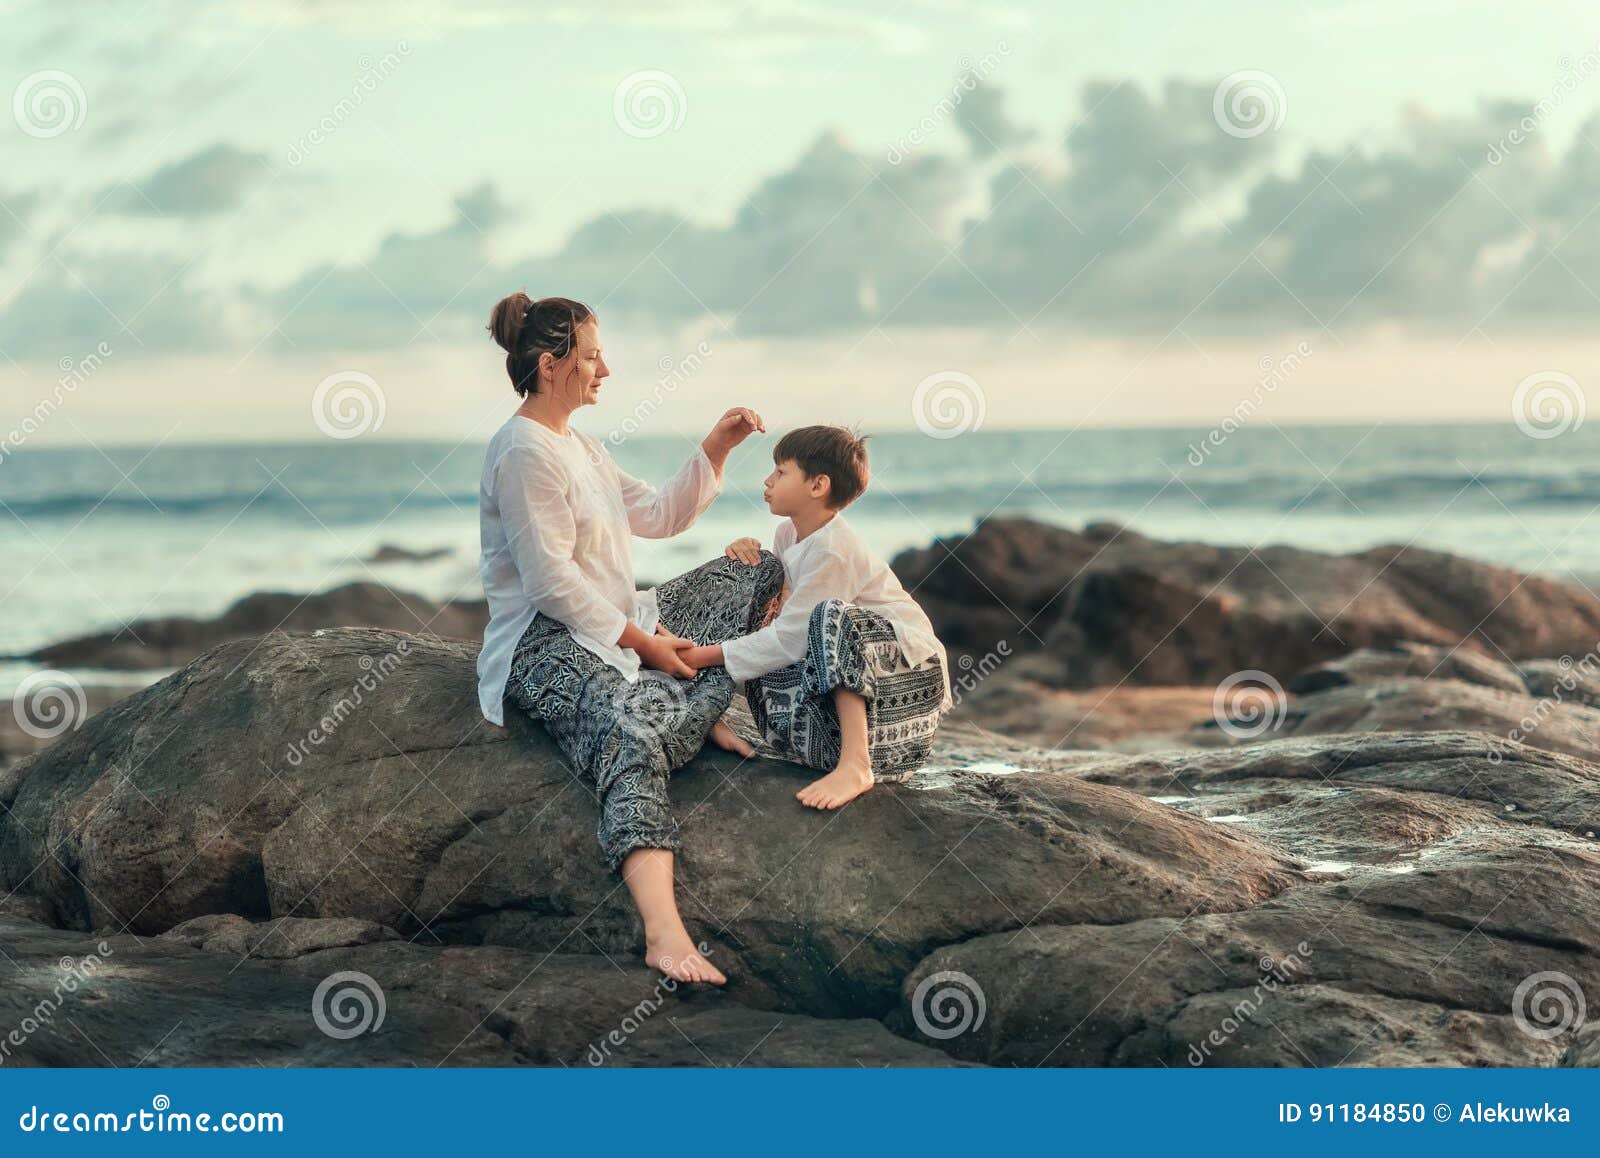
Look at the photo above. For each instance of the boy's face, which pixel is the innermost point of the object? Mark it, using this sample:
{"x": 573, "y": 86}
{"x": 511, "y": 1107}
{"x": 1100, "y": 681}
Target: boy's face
{"x": 788, "y": 492}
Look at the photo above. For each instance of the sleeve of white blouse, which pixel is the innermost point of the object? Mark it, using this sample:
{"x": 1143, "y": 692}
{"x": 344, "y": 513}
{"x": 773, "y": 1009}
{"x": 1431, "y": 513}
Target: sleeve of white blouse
{"x": 660, "y": 514}
{"x": 783, "y": 641}
{"x": 540, "y": 533}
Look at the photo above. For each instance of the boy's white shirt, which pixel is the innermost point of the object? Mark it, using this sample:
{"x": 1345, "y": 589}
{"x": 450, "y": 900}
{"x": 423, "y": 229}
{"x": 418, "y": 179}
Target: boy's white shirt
{"x": 832, "y": 563}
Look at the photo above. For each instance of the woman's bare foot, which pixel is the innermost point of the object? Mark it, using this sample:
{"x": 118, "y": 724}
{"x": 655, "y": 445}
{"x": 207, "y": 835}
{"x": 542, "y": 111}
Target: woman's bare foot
{"x": 677, "y": 956}
{"x": 728, "y": 740}
{"x": 847, "y": 781}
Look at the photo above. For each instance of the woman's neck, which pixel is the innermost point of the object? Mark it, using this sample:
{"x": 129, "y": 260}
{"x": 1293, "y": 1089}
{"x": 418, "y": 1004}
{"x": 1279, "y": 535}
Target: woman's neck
{"x": 547, "y": 410}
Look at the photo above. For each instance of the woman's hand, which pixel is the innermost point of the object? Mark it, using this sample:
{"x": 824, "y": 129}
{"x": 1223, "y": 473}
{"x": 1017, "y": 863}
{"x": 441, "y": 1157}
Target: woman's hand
{"x": 665, "y": 652}
{"x": 731, "y": 429}
{"x": 662, "y": 651}
{"x": 745, "y": 550}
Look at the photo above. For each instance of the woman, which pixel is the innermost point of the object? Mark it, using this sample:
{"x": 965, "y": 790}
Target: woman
{"x": 568, "y": 634}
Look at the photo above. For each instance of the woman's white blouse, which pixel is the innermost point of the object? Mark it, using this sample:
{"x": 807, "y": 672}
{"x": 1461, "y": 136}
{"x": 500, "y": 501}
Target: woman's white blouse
{"x": 831, "y": 563}
{"x": 556, "y": 517}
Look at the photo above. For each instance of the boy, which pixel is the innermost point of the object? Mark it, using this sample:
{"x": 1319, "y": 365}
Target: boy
{"x": 849, "y": 677}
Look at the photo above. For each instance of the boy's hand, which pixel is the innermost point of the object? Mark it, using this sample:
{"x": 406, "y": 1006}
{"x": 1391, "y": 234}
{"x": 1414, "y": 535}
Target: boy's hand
{"x": 745, "y": 550}
{"x": 699, "y": 657}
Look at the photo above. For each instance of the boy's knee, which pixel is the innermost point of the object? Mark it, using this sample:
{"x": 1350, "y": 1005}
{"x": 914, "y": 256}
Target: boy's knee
{"x": 833, "y": 609}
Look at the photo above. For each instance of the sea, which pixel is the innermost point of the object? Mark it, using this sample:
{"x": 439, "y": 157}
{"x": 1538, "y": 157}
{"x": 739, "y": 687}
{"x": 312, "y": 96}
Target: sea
{"x": 94, "y": 537}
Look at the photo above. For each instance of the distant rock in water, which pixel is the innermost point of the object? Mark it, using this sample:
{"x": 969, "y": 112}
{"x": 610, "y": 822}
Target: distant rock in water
{"x": 1109, "y": 605}
{"x": 390, "y": 553}
{"x": 174, "y": 641}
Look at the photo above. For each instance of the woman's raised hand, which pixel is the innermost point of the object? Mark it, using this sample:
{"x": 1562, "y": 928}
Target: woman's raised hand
{"x": 731, "y": 429}
{"x": 745, "y": 550}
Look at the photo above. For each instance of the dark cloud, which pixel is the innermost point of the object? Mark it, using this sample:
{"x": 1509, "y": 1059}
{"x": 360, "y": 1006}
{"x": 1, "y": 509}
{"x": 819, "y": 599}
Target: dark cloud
{"x": 981, "y": 117}
{"x": 213, "y": 180}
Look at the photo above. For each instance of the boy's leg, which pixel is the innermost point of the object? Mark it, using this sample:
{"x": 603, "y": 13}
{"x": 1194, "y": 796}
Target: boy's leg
{"x": 852, "y": 775}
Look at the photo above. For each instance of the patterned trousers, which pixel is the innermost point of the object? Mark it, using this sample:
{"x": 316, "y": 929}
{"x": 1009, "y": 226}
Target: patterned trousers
{"x": 852, "y": 648}
{"x": 628, "y": 738}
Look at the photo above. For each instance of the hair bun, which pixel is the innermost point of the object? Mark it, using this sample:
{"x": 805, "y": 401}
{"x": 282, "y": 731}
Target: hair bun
{"x": 507, "y": 318}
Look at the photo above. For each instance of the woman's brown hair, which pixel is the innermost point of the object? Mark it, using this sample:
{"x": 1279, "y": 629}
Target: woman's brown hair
{"x": 526, "y": 328}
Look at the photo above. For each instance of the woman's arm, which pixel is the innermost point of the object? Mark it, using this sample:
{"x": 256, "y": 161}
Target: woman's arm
{"x": 671, "y": 510}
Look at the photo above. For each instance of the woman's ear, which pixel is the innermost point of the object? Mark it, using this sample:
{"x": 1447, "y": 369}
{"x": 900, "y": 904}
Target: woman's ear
{"x": 547, "y": 364}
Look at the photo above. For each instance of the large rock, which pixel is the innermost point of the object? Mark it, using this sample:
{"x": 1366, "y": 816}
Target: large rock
{"x": 348, "y": 774}
{"x": 286, "y": 809}
{"x": 1427, "y": 968}
{"x": 1107, "y": 605}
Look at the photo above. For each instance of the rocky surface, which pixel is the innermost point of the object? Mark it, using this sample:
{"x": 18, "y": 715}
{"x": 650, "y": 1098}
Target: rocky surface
{"x": 1394, "y": 862}
{"x": 1107, "y": 605}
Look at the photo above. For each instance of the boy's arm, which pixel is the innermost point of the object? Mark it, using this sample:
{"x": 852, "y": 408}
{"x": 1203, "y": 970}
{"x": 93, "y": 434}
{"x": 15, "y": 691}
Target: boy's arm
{"x": 783, "y": 641}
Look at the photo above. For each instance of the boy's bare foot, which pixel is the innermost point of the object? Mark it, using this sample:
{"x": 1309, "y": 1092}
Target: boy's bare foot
{"x": 676, "y": 956}
{"x": 728, "y": 740}
{"x": 847, "y": 781}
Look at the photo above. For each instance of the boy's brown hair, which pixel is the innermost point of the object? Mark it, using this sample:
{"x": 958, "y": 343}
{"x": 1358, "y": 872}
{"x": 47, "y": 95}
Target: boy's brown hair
{"x": 830, "y": 450}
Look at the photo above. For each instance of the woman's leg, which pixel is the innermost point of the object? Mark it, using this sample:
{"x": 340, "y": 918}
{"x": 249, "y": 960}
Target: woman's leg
{"x": 624, "y": 739}
{"x": 667, "y": 944}
{"x": 720, "y": 600}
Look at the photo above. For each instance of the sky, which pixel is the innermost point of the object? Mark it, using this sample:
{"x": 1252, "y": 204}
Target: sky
{"x": 268, "y": 219}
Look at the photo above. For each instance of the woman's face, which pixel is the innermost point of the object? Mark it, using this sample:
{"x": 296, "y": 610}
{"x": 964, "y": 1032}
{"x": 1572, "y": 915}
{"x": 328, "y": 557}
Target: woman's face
{"x": 577, "y": 377}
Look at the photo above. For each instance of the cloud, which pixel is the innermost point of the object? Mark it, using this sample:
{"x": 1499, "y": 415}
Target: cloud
{"x": 981, "y": 117}
{"x": 1146, "y": 217}
{"x": 213, "y": 180}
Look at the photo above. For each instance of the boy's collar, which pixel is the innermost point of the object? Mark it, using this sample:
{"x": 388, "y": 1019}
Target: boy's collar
{"x": 818, "y": 529}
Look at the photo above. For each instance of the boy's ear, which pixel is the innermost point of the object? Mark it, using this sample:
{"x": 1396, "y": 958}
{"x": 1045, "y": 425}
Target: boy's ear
{"x": 821, "y": 486}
